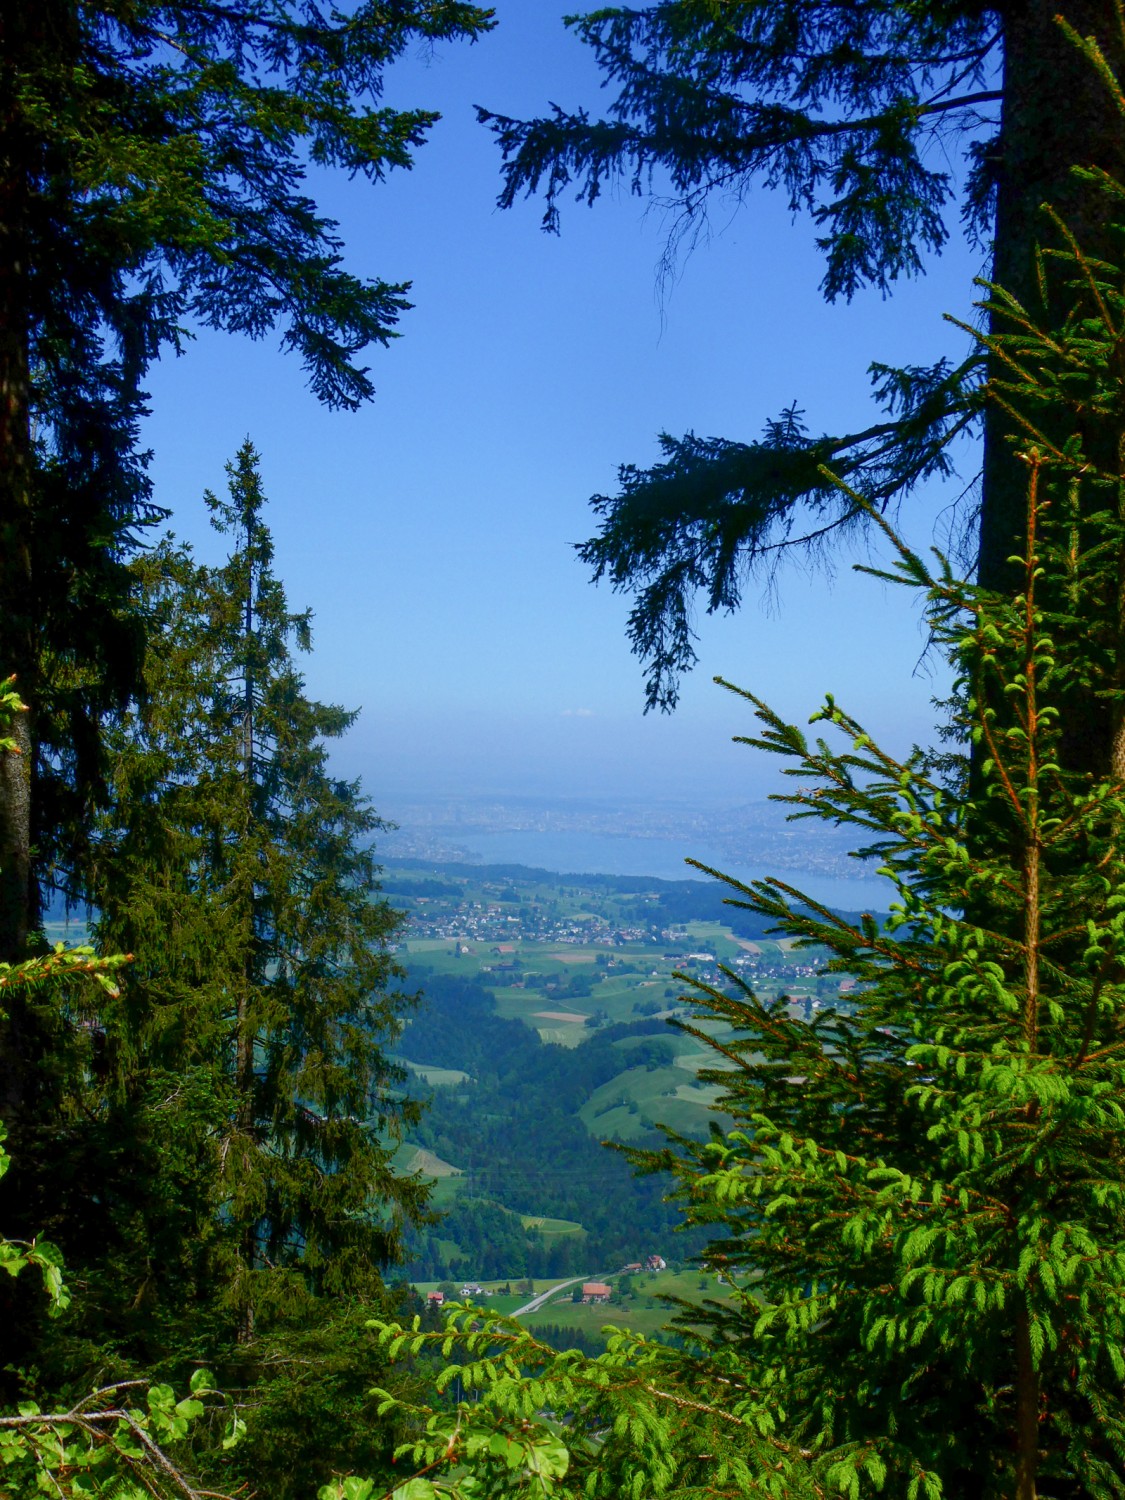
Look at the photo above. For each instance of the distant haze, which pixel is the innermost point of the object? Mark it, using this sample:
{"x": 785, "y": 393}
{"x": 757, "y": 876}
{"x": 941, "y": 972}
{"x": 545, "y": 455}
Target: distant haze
{"x": 747, "y": 841}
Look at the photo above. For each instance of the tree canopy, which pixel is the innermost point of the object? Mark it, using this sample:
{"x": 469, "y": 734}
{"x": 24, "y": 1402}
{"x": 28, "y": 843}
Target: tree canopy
{"x": 154, "y": 180}
{"x": 919, "y": 1210}
{"x": 884, "y": 122}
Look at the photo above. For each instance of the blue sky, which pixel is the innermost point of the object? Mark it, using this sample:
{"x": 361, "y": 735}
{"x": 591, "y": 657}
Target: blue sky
{"x": 431, "y": 532}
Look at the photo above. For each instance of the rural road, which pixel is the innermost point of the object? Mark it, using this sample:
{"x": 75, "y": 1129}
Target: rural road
{"x": 537, "y": 1302}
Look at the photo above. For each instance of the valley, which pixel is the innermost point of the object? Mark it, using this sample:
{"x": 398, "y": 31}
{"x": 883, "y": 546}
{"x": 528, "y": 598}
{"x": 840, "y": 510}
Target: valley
{"x": 552, "y": 1022}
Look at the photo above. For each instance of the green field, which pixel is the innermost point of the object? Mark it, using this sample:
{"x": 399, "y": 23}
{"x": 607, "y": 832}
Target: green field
{"x": 409, "y": 1159}
{"x": 629, "y": 1105}
{"x": 711, "y": 937}
{"x": 567, "y": 960}
{"x": 623, "y": 982}
{"x": 436, "y": 1077}
{"x": 547, "y": 970}
{"x": 642, "y": 1310}
{"x": 637, "y": 1098}
{"x": 548, "y": 1227}
{"x": 492, "y": 1291}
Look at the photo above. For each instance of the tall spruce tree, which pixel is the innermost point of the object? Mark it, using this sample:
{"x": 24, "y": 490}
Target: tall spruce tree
{"x": 919, "y": 1215}
{"x": 248, "y": 1052}
{"x": 154, "y": 163}
{"x": 854, "y": 112}
{"x": 267, "y": 957}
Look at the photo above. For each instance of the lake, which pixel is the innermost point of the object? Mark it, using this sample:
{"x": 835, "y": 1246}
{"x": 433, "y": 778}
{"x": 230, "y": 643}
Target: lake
{"x": 572, "y": 853}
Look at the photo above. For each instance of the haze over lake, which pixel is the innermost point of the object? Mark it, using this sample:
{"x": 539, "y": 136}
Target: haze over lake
{"x": 611, "y": 836}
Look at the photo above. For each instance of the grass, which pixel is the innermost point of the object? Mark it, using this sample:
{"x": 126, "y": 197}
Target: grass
{"x": 642, "y": 1311}
{"x": 446, "y": 1181}
{"x": 613, "y": 993}
{"x": 431, "y": 1165}
{"x": 492, "y": 1288}
{"x": 445, "y": 1190}
{"x": 549, "y": 1227}
{"x": 630, "y": 1105}
{"x": 500, "y": 1304}
{"x": 691, "y": 1062}
{"x": 436, "y": 1077}
{"x": 562, "y": 1036}
{"x": 593, "y": 1318}
{"x": 711, "y": 937}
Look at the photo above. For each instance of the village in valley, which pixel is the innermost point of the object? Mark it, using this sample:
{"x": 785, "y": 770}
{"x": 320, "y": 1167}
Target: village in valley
{"x": 585, "y": 1308}
{"x": 589, "y": 971}
{"x": 588, "y": 1293}
{"x": 518, "y": 927}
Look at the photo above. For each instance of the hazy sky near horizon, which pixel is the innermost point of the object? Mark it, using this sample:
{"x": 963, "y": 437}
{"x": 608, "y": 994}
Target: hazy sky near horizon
{"x": 431, "y": 533}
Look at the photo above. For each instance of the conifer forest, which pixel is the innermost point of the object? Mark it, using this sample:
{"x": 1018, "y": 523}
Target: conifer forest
{"x": 272, "y": 1103}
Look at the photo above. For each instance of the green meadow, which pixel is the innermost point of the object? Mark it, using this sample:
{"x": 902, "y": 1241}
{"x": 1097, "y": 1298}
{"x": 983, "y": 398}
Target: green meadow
{"x": 638, "y": 1308}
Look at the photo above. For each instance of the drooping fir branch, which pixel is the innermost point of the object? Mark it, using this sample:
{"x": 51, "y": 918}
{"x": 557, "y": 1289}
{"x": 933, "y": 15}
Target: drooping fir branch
{"x": 834, "y": 106}
{"x": 715, "y": 514}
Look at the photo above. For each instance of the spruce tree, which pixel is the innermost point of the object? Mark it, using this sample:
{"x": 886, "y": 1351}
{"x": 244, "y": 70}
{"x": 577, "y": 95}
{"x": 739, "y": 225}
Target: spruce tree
{"x": 919, "y": 1213}
{"x": 154, "y": 157}
{"x": 883, "y": 123}
{"x": 249, "y": 1047}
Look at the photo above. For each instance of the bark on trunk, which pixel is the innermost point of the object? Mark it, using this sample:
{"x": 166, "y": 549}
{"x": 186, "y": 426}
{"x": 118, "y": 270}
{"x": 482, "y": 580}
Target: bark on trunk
{"x": 244, "y": 1076}
{"x": 17, "y": 636}
{"x": 1056, "y": 115}
{"x": 1027, "y": 1410}
{"x": 245, "y": 1032}
{"x": 1117, "y": 748}
{"x": 16, "y": 627}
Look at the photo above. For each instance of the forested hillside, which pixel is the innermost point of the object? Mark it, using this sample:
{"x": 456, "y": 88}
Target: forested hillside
{"x": 552, "y": 1019}
{"x": 515, "y": 1131}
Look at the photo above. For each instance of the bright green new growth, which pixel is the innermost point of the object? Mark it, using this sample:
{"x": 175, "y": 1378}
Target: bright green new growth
{"x": 921, "y": 1205}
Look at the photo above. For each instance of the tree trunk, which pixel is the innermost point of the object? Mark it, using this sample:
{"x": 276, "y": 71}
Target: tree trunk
{"x": 1027, "y": 1409}
{"x": 1057, "y": 114}
{"x": 17, "y": 635}
{"x": 1117, "y": 751}
{"x": 245, "y": 1078}
{"x": 17, "y": 638}
{"x": 244, "y": 1088}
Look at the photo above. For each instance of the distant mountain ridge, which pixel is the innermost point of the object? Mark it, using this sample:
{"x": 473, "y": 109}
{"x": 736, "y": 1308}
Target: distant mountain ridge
{"x": 680, "y": 900}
